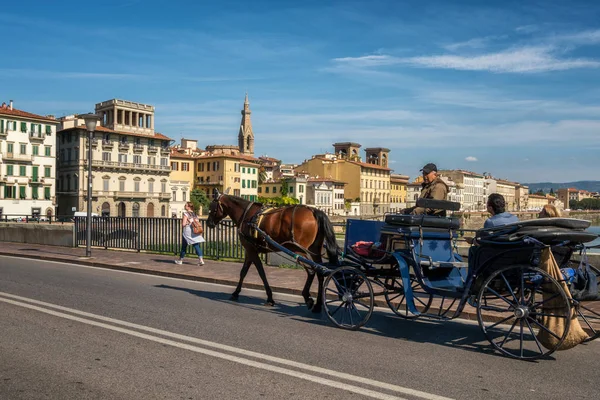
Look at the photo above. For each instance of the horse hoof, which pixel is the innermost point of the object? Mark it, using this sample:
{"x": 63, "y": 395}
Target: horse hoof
{"x": 269, "y": 304}
{"x": 310, "y": 303}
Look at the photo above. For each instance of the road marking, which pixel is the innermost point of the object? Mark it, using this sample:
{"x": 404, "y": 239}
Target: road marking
{"x": 29, "y": 303}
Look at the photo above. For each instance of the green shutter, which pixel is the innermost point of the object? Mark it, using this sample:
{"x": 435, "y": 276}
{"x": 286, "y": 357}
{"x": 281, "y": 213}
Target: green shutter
{"x": 47, "y": 172}
{"x": 48, "y": 151}
{"x": 23, "y": 126}
{"x": 2, "y": 125}
{"x": 35, "y": 174}
{"x": 47, "y": 193}
{"x": 22, "y": 194}
{"x": 36, "y": 150}
{"x": 48, "y": 129}
{"x": 9, "y": 170}
{"x": 34, "y": 192}
{"x": 22, "y": 170}
{"x": 10, "y": 148}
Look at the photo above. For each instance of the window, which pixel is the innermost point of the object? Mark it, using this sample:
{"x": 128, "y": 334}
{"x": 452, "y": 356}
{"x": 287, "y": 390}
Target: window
{"x": 274, "y": 189}
{"x": 215, "y": 166}
{"x": 136, "y": 186}
{"x": 208, "y": 166}
{"x": 266, "y": 189}
{"x": 259, "y": 190}
{"x": 164, "y": 162}
{"x": 236, "y": 167}
{"x": 301, "y": 188}
{"x": 137, "y": 159}
{"x": 9, "y": 170}
{"x": 174, "y": 166}
{"x": 123, "y": 158}
{"x": 47, "y": 193}
{"x": 48, "y": 130}
{"x": 174, "y": 196}
{"x": 243, "y": 170}
{"x": 185, "y": 166}
{"x": 163, "y": 187}
{"x": 291, "y": 190}
{"x": 34, "y": 173}
{"x": 122, "y": 185}
{"x": 184, "y": 196}
{"x": 34, "y": 192}
{"x": 23, "y": 148}
{"x": 254, "y": 184}
{"x": 9, "y": 148}
{"x": 201, "y": 167}
{"x": 47, "y": 172}
{"x": 106, "y": 156}
{"x": 105, "y": 184}
{"x": 151, "y": 160}
{"x": 22, "y": 170}
{"x": 36, "y": 150}
{"x": 22, "y": 192}
{"x": 243, "y": 184}
{"x": 10, "y": 192}
{"x": 151, "y": 186}
{"x": 23, "y": 126}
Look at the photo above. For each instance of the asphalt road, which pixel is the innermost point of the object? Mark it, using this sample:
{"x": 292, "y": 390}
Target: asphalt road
{"x": 74, "y": 332}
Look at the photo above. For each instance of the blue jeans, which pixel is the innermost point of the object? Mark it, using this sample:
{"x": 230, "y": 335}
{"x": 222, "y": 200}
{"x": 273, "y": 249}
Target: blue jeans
{"x": 184, "y": 245}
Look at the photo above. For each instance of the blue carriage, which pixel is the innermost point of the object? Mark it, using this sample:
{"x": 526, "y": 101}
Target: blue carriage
{"x": 411, "y": 262}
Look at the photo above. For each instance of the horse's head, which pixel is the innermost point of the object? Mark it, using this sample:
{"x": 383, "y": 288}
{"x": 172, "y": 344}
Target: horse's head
{"x": 215, "y": 211}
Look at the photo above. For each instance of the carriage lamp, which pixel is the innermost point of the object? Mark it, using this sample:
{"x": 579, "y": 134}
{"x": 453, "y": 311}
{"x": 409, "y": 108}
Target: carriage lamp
{"x": 91, "y": 120}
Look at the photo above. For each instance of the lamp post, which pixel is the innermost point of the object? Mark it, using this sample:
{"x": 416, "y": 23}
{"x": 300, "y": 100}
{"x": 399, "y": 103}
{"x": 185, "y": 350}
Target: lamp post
{"x": 90, "y": 123}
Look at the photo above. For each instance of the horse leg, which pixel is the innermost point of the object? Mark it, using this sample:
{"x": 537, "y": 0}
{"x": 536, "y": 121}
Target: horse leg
{"x": 261, "y": 272}
{"x": 247, "y": 261}
{"x": 306, "y": 291}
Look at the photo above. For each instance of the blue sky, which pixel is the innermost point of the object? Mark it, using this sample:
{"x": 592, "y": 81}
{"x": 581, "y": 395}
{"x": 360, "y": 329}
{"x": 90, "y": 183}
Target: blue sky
{"x": 508, "y": 87}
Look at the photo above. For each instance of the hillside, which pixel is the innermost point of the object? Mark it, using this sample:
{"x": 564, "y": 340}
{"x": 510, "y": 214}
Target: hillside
{"x": 590, "y": 186}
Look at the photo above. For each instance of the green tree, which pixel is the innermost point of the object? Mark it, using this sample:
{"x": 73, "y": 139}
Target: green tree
{"x": 285, "y": 188}
{"x": 540, "y": 192}
{"x": 573, "y": 204}
{"x": 199, "y": 200}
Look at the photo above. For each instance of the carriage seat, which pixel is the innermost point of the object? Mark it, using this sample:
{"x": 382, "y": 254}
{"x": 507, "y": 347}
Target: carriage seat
{"x": 426, "y": 221}
{"x": 546, "y": 230}
{"x": 443, "y": 264}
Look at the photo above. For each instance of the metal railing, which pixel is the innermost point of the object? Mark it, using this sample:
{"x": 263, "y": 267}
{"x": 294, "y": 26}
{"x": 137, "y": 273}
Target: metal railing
{"x": 162, "y": 235}
{"x": 28, "y": 218}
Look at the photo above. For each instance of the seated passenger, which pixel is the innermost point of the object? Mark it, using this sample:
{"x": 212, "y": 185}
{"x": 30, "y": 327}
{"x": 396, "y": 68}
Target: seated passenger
{"x": 549, "y": 211}
{"x": 433, "y": 187}
{"x": 497, "y": 207}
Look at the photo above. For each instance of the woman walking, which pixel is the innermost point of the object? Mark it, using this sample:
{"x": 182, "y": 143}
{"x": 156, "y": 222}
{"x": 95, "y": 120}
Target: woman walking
{"x": 189, "y": 237}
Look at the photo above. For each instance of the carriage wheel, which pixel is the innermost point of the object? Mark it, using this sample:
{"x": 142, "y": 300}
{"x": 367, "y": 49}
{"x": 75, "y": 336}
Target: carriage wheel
{"x": 589, "y": 319}
{"x": 513, "y": 301}
{"x": 396, "y": 299}
{"x": 348, "y": 298}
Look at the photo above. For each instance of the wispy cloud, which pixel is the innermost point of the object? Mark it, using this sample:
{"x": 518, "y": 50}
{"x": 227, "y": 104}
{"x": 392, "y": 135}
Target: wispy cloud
{"x": 43, "y": 74}
{"x": 475, "y": 43}
{"x": 471, "y": 159}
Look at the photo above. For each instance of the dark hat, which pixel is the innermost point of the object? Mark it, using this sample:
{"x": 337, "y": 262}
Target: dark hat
{"x": 428, "y": 168}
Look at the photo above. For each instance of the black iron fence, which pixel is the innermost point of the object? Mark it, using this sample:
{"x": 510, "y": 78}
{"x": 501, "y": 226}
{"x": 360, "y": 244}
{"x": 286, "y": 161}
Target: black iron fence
{"x": 162, "y": 235}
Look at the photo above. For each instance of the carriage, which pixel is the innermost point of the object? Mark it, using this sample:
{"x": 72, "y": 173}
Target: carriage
{"x": 411, "y": 262}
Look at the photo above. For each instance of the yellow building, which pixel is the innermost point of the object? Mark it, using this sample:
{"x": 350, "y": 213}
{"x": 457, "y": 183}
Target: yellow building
{"x": 223, "y": 171}
{"x": 181, "y": 179}
{"x": 368, "y": 183}
{"x": 536, "y": 202}
{"x": 398, "y": 185}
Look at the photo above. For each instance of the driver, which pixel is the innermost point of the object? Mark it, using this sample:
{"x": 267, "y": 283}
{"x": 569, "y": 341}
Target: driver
{"x": 433, "y": 187}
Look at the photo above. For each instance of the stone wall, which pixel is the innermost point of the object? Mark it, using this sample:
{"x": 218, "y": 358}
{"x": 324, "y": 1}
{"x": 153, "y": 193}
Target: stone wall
{"x": 34, "y": 233}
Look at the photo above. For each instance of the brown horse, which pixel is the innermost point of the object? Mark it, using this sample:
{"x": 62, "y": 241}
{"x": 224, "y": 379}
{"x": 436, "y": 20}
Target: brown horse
{"x": 299, "y": 228}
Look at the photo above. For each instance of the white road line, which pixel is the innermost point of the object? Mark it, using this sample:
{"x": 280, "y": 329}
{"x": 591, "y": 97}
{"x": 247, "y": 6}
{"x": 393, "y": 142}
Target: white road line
{"x": 231, "y": 349}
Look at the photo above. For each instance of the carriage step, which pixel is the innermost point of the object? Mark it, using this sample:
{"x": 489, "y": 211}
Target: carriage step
{"x": 443, "y": 264}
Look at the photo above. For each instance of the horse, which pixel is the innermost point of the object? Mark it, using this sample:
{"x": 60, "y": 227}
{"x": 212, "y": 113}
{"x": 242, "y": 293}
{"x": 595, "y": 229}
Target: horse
{"x": 299, "y": 228}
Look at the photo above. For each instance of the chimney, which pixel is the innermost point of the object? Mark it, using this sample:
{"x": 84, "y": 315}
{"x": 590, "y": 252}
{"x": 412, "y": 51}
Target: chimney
{"x": 10, "y": 104}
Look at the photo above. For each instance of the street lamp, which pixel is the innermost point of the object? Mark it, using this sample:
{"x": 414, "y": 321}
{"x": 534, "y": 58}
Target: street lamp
{"x": 90, "y": 124}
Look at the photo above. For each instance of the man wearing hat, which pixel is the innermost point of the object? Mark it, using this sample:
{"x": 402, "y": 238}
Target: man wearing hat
{"x": 433, "y": 188}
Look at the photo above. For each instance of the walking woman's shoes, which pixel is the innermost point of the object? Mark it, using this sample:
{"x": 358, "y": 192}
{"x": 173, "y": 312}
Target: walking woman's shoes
{"x": 178, "y": 262}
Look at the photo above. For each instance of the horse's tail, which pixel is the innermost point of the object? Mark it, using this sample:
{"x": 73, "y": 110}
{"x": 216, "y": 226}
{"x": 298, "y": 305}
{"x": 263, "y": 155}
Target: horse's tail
{"x": 330, "y": 242}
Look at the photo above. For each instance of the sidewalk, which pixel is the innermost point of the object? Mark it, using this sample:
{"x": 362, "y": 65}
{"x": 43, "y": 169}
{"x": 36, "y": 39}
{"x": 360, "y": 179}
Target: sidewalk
{"x": 283, "y": 280}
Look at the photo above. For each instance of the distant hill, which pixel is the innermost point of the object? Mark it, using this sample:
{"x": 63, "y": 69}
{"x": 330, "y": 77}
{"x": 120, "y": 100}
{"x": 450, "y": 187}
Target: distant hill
{"x": 590, "y": 186}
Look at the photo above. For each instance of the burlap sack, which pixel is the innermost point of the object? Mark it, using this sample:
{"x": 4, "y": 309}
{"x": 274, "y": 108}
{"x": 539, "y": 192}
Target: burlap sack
{"x": 576, "y": 334}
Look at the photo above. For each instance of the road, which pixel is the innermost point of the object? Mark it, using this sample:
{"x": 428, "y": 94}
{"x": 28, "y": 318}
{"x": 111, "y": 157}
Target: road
{"x": 73, "y": 332}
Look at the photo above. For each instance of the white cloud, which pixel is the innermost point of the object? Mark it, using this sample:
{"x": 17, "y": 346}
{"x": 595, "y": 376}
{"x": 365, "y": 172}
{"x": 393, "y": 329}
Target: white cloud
{"x": 471, "y": 159}
{"x": 476, "y": 43}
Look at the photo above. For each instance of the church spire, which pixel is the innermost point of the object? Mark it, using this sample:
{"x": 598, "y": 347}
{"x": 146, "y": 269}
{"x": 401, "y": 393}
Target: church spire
{"x": 245, "y": 135}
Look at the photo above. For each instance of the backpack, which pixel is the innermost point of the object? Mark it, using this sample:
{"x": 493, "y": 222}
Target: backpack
{"x": 196, "y": 225}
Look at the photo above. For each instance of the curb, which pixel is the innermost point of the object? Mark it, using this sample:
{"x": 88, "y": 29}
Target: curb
{"x": 465, "y": 315}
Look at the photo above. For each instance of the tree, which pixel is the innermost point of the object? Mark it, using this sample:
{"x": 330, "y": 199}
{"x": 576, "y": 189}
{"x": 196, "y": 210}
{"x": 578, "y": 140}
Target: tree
{"x": 199, "y": 200}
{"x": 573, "y": 204}
{"x": 285, "y": 188}
{"x": 540, "y": 192}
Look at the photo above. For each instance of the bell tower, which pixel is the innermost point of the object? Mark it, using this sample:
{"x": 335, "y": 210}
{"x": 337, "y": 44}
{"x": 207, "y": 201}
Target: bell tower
{"x": 378, "y": 156}
{"x": 245, "y": 135}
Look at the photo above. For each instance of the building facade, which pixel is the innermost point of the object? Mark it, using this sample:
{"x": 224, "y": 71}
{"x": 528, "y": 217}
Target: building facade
{"x": 130, "y": 163}
{"x": 472, "y": 188}
{"x": 27, "y": 163}
{"x": 398, "y": 193}
{"x": 181, "y": 178}
{"x": 326, "y": 195}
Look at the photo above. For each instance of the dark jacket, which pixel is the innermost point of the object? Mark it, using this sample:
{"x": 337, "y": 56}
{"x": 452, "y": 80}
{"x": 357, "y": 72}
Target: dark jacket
{"x": 437, "y": 190}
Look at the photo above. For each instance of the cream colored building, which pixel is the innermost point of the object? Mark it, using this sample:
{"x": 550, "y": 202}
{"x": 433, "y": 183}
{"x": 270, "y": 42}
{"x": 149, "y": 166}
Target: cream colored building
{"x": 508, "y": 190}
{"x": 413, "y": 191}
{"x": 183, "y": 163}
{"x": 224, "y": 171}
{"x": 521, "y": 197}
{"x": 249, "y": 179}
{"x": 536, "y": 202}
{"x": 27, "y": 163}
{"x": 368, "y": 183}
{"x": 398, "y": 193}
{"x": 471, "y": 187}
{"x": 130, "y": 163}
{"x": 326, "y": 195}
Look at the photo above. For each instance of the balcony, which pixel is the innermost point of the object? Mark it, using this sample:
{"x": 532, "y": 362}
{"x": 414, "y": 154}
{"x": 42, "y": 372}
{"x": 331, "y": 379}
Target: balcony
{"x": 3, "y": 132}
{"x": 37, "y": 136}
{"x": 152, "y": 149}
{"x": 107, "y": 144}
{"x": 210, "y": 183}
{"x": 17, "y": 157}
{"x": 121, "y": 194}
{"x": 36, "y": 181}
{"x": 165, "y": 150}
{"x": 124, "y": 165}
{"x": 94, "y": 142}
{"x": 164, "y": 196}
{"x": 123, "y": 146}
{"x": 138, "y": 148}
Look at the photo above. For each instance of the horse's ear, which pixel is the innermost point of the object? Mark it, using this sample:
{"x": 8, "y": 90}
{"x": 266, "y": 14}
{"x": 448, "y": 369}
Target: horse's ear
{"x": 216, "y": 193}
{"x": 227, "y": 190}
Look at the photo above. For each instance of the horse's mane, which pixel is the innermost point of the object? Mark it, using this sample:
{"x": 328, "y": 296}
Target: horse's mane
{"x": 243, "y": 203}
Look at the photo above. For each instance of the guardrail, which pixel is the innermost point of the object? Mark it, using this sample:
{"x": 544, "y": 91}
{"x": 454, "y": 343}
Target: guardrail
{"x": 35, "y": 218}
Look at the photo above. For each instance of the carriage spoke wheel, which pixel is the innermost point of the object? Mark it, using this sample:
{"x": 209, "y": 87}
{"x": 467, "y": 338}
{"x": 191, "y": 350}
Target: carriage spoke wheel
{"x": 589, "y": 319}
{"x": 396, "y": 298}
{"x": 513, "y": 307}
{"x": 348, "y": 298}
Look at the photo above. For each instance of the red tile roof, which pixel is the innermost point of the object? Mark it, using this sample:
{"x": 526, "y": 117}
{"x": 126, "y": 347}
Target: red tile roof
{"x": 5, "y": 110}
{"x": 326, "y": 180}
{"x": 157, "y": 135}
